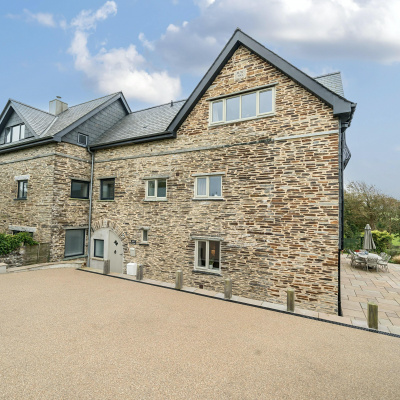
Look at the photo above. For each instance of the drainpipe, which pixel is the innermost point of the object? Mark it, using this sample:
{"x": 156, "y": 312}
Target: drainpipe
{"x": 342, "y": 129}
{"x": 90, "y": 207}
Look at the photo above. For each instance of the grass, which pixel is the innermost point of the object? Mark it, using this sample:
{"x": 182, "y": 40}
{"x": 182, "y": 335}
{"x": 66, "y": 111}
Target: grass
{"x": 396, "y": 241}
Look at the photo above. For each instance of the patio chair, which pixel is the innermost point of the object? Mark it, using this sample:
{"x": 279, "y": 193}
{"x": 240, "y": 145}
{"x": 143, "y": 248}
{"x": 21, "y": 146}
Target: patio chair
{"x": 384, "y": 262}
{"x": 356, "y": 260}
{"x": 372, "y": 262}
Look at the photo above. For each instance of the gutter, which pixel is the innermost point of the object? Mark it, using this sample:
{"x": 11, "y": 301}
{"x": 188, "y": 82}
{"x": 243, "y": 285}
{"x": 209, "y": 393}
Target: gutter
{"x": 90, "y": 207}
{"x": 150, "y": 138}
{"x": 21, "y": 146}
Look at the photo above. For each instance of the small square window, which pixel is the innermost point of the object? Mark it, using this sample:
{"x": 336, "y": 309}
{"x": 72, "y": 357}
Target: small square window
{"x": 98, "y": 248}
{"x": 208, "y": 186}
{"x": 82, "y": 139}
{"x": 74, "y": 242}
{"x": 79, "y": 189}
{"x": 208, "y": 255}
{"x": 107, "y": 189}
{"x": 22, "y": 189}
{"x": 156, "y": 189}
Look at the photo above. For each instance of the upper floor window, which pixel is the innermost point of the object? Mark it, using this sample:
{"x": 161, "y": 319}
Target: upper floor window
{"x": 82, "y": 139}
{"x": 244, "y": 106}
{"x": 208, "y": 186}
{"x": 107, "y": 189}
{"x": 156, "y": 189}
{"x": 15, "y": 133}
{"x": 79, "y": 189}
{"x": 22, "y": 190}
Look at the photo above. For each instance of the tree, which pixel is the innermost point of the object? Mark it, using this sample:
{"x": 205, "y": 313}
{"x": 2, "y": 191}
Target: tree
{"x": 365, "y": 204}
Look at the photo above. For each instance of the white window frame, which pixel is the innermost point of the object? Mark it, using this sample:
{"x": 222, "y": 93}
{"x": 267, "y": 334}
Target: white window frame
{"x": 145, "y": 234}
{"x": 9, "y": 130}
{"x": 207, "y": 195}
{"x": 196, "y": 256}
{"x": 155, "y": 197}
{"x": 240, "y": 95}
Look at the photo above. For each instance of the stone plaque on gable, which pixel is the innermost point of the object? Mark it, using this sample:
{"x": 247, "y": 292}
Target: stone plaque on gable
{"x": 240, "y": 75}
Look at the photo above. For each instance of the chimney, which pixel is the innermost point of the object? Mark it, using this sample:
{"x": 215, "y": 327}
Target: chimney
{"x": 57, "y": 106}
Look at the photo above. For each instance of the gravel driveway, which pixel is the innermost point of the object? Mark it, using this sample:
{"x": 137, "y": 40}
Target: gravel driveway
{"x": 67, "y": 334}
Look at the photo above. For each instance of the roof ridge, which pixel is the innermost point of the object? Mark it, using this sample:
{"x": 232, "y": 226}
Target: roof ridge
{"x": 330, "y": 73}
{"x": 35, "y": 108}
{"x": 160, "y": 105}
{"x": 89, "y": 101}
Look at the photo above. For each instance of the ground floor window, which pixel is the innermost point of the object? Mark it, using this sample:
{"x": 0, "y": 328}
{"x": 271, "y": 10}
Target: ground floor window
{"x": 22, "y": 190}
{"x": 14, "y": 232}
{"x": 208, "y": 255}
{"x": 99, "y": 248}
{"x": 74, "y": 242}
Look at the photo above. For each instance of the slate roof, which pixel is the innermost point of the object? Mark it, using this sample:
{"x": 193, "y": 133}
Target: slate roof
{"x": 37, "y": 119}
{"x": 45, "y": 125}
{"x": 74, "y": 113}
{"x": 332, "y": 81}
{"x": 142, "y": 123}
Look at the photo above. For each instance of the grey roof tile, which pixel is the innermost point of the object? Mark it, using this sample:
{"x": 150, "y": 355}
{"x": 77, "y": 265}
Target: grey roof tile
{"x": 332, "y": 81}
{"x": 37, "y": 119}
{"x": 141, "y": 123}
{"x": 74, "y": 113}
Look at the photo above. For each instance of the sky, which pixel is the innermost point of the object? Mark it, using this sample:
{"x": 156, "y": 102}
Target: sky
{"x": 155, "y": 51}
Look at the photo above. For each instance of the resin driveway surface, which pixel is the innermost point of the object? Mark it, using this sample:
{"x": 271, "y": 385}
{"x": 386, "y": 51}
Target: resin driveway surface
{"x": 67, "y": 334}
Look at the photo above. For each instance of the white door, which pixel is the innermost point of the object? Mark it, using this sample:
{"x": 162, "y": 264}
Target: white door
{"x": 115, "y": 252}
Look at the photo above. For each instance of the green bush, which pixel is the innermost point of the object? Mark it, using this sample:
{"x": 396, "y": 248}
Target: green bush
{"x": 9, "y": 243}
{"x": 382, "y": 239}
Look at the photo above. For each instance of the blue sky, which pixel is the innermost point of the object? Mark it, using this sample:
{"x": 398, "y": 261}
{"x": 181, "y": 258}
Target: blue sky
{"x": 155, "y": 51}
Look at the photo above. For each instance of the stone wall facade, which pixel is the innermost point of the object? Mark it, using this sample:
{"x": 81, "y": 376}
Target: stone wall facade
{"x": 278, "y": 220}
{"x": 48, "y": 208}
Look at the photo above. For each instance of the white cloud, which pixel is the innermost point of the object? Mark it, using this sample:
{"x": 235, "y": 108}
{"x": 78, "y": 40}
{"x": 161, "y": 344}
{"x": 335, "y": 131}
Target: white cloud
{"x": 119, "y": 68}
{"x": 45, "y": 19}
{"x": 319, "y": 29}
{"x": 147, "y": 44}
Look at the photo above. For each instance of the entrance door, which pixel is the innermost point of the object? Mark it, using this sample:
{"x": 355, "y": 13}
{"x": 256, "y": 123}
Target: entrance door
{"x": 115, "y": 252}
{"x": 110, "y": 248}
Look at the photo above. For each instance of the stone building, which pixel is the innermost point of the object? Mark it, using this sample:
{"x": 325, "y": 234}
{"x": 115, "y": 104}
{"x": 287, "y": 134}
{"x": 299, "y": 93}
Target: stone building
{"x": 243, "y": 179}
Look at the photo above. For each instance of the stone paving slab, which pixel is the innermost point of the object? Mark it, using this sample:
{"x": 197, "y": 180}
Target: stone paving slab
{"x": 359, "y": 286}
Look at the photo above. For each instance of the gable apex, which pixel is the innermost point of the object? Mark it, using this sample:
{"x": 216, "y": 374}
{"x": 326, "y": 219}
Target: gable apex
{"x": 341, "y": 106}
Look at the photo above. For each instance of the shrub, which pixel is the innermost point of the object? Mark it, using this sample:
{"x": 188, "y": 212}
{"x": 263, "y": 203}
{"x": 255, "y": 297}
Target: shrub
{"x": 382, "y": 240}
{"x": 395, "y": 260}
{"x": 9, "y": 243}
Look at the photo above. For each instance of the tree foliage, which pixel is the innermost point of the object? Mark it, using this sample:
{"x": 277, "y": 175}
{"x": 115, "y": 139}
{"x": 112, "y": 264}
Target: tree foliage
{"x": 9, "y": 243}
{"x": 382, "y": 240}
{"x": 365, "y": 204}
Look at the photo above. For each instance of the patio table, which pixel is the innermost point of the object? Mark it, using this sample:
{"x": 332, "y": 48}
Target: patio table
{"x": 365, "y": 257}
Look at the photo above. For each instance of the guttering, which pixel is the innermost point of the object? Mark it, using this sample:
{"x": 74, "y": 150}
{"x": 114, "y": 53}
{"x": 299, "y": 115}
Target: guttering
{"x": 21, "y": 146}
{"x": 90, "y": 208}
{"x": 150, "y": 138}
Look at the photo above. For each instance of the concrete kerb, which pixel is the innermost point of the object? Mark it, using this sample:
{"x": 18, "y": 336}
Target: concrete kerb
{"x": 35, "y": 267}
{"x": 221, "y": 298}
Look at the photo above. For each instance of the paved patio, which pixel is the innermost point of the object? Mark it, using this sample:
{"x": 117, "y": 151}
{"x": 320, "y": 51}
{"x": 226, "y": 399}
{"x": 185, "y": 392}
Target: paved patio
{"x": 361, "y": 286}
{"x": 68, "y": 334}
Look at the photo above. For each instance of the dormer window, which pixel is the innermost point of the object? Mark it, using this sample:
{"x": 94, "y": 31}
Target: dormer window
{"x": 243, "y": 106}
{"x": 15, "y": 133}
{"x": 82, "y": 139}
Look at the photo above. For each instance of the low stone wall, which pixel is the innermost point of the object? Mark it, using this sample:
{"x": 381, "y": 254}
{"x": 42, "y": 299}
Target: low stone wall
{"x": 27, "y": 255}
